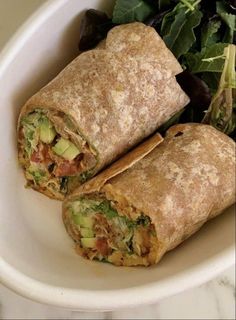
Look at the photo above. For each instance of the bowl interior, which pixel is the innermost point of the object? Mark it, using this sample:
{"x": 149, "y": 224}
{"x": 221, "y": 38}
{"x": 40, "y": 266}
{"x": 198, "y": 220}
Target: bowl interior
{"x": 32, "y": 236}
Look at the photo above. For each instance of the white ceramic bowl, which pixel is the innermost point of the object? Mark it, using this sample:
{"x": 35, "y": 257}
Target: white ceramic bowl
{"x": 37, "y": 259}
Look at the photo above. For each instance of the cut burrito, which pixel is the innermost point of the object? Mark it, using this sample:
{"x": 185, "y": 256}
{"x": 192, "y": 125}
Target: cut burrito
{"x": 103, "y": 103}
{"x": 133, "y": 213}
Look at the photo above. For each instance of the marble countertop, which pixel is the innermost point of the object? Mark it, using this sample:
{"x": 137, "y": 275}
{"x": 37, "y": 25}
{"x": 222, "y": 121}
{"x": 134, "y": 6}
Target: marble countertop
{"x": 213, "y": 300}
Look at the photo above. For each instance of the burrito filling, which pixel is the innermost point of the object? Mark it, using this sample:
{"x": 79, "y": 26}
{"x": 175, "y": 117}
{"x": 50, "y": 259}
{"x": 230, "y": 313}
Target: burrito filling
{"x": 103, "y": 233}
{"x": 53, "y": 161}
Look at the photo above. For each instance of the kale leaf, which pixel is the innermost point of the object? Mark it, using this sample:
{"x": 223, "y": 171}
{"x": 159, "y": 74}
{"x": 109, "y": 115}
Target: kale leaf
{"x": 130, "y": 11}
{"x": 210, "y": 59}
{"x": 229, "y": 19}
{"x": 177, "y": 28}
{"x": 209, "y": 33}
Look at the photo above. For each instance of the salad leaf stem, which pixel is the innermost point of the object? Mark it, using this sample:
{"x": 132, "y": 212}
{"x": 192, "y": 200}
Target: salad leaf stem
{"x": 187, "y": 4}
{"x": 207, "y": 60}
{"x": 191, "y": 7}
{"x": 222, "y": 56}
{"x": 221, "y": 110}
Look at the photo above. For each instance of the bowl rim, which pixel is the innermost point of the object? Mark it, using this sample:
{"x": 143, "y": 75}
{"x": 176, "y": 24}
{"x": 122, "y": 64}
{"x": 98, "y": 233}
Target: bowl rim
{"x": 96, "y": 300}
{"x": 106, "y": 300}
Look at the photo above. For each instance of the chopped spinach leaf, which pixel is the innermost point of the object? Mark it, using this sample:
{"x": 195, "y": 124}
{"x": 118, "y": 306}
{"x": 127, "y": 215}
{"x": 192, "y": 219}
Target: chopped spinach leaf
{"x": 106, "y": 208}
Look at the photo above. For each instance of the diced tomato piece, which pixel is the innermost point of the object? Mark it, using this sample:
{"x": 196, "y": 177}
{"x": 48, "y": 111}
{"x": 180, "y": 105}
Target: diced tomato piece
{"x": 41, "y": 155}
{"x": 102, "y": 246}
{"x": 66, "y": 168}
{"x": 36, "y": 157}
{"x": 45, "y": 153}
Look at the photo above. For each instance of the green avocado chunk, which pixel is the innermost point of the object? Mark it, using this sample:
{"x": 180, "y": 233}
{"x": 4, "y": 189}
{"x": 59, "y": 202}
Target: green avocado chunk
{"x": 86, "y": 233}
{"x": 66, "y": 149}
{"x": 85, "y": 222}
{"x": 47, "y": 132}
{"x": 88, "y": 242}
{"x": 61, "y": 146}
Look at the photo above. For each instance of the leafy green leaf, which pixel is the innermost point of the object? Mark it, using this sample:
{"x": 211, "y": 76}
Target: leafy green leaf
{"x": 189, "y": 4}
{"x": 106, "y": 208}
{"x": 167, "y": 22}
{"x": 228, "y": 19}
{"x": 210, "y": 59}
{"x": 209, "y": 34}
{"x": 177, "y": 29}
{"x": 130, "y": 11}
{"x": 30, "y": 124}
{"x": 37, "y": 173}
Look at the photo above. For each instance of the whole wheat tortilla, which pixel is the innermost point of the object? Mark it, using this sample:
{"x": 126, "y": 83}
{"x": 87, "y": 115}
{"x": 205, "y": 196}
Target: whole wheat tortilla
{"x": 186, "y": 180}
{"x": 117, "y": 95}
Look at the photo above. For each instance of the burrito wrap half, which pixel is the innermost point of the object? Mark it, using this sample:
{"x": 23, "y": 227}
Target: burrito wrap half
{"x": 185, "y": 181}
{"x": 112, "y": 99}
